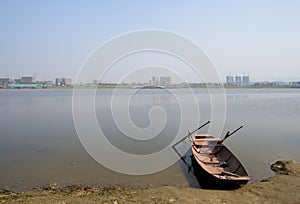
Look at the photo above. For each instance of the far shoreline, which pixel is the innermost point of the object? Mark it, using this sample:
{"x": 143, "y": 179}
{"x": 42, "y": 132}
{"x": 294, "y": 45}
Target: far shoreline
{"x": 152, "y": 87}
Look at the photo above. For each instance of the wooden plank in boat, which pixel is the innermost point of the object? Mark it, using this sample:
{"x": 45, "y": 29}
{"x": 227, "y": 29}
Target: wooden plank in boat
{"x": 213, "y": 170}
{"x": 231, "y": 174}
{"x": 207, "y": 139}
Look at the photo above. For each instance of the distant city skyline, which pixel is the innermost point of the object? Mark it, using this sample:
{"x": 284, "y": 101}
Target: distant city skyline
{"x": 223, "y": 78}
{"x": 53, "y": 38}
{"x": 157, "y": 80}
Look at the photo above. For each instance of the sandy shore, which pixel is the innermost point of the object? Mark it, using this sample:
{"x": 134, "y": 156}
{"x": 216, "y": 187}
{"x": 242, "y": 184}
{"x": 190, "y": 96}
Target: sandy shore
{"x": 284, "y": 187}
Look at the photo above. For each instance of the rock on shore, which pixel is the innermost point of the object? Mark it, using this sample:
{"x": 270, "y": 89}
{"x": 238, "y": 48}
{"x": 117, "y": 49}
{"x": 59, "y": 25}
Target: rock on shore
{"x": 284, "y": 187}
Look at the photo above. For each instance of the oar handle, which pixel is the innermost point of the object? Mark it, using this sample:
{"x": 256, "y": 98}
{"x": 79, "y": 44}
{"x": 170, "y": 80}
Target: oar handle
{"x": 200, "y": 127}
{"x": 236, "y": 130}
{"x": 228, "y": 134}
{"x": 189, "y": 133}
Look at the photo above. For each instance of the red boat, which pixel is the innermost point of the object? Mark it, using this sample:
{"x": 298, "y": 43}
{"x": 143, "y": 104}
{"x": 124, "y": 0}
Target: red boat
{"x": 212, "y": 156}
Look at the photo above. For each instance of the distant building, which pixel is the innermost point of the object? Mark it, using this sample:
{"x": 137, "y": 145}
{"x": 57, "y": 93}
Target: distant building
{"x": 28, "y": 79}
{"x": 160, "y": 81}
{"x": 238, "y": 80}
{"x": 63, "y": 81}
{"x": 6, "y": 80}
{"x": 230, "y": 80}
{"x": 246, "y": 80}
{"x": 295, "y": 83}
{"x": 155, "y": 81}
{"x": 48, "y": 82}
{"x": 165, "y": 81}
{"x": 17, "y": 81}
{"x": 96, "y": 82}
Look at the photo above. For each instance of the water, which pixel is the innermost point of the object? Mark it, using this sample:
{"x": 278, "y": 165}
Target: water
{"x": 39, "y": 144}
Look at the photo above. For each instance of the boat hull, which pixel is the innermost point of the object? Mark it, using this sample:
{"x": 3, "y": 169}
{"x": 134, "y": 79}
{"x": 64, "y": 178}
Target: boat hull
{"x": 208, "y": 181}
{"x": 215, "y": 166}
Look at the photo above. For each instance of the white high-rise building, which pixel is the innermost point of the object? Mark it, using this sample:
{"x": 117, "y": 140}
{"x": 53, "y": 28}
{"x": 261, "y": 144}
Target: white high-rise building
{"x": 238, "y": 80}
{"x": 230, "y": 79}
{"x": 246, "y": 80}
{"x": 155, "y": 81}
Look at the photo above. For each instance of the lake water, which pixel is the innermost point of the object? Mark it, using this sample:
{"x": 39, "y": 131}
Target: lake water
{"x": 39, "y": 143}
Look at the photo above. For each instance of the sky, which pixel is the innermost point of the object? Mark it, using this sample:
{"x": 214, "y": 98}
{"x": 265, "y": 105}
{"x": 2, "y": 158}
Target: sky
{"x": 53, "y": 38}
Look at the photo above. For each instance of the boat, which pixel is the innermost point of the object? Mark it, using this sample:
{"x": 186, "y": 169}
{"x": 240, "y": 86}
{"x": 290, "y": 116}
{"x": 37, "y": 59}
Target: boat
{"x": 213, "y": 164}
{"x": 212, "y": 156}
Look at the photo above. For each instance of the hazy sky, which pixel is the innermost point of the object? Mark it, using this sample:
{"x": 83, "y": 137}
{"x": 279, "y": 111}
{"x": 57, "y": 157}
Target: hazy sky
{"x": 53, "y": 38}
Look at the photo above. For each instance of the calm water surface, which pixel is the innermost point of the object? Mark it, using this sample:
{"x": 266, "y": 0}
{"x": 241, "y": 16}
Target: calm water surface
{"x": 39, "y": 144}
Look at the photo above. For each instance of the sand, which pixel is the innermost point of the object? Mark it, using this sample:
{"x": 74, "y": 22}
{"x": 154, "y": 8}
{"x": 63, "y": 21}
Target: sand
{"x": 284, "y": 187}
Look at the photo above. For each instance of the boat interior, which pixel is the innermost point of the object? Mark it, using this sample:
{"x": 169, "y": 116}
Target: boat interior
{"x": 217, "y": 158}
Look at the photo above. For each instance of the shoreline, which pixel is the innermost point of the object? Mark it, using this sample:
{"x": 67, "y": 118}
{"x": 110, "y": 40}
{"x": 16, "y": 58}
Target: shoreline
{"x": 283, "y": 187}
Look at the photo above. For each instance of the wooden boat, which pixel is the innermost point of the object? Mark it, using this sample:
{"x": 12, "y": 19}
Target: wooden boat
{"x": 220, "y": 164}
{"x": 213, "y": 164}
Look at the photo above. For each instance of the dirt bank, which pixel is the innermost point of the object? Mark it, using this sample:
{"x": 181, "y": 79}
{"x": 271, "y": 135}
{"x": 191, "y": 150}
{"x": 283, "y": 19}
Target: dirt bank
{"x": 284, "y": 187}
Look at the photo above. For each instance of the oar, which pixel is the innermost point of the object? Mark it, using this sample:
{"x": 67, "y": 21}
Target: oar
{"x": 183, "y": 159}
{"x": 189, "y": 133}
{"x": 228, "y": 134}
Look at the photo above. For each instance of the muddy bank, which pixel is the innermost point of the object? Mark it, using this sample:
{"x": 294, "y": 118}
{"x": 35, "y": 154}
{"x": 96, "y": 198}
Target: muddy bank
{"x": 284, "y": 187}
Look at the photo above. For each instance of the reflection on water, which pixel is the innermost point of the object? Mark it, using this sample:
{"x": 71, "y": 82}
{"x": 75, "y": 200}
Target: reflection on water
{"x": 39, "y": 144}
